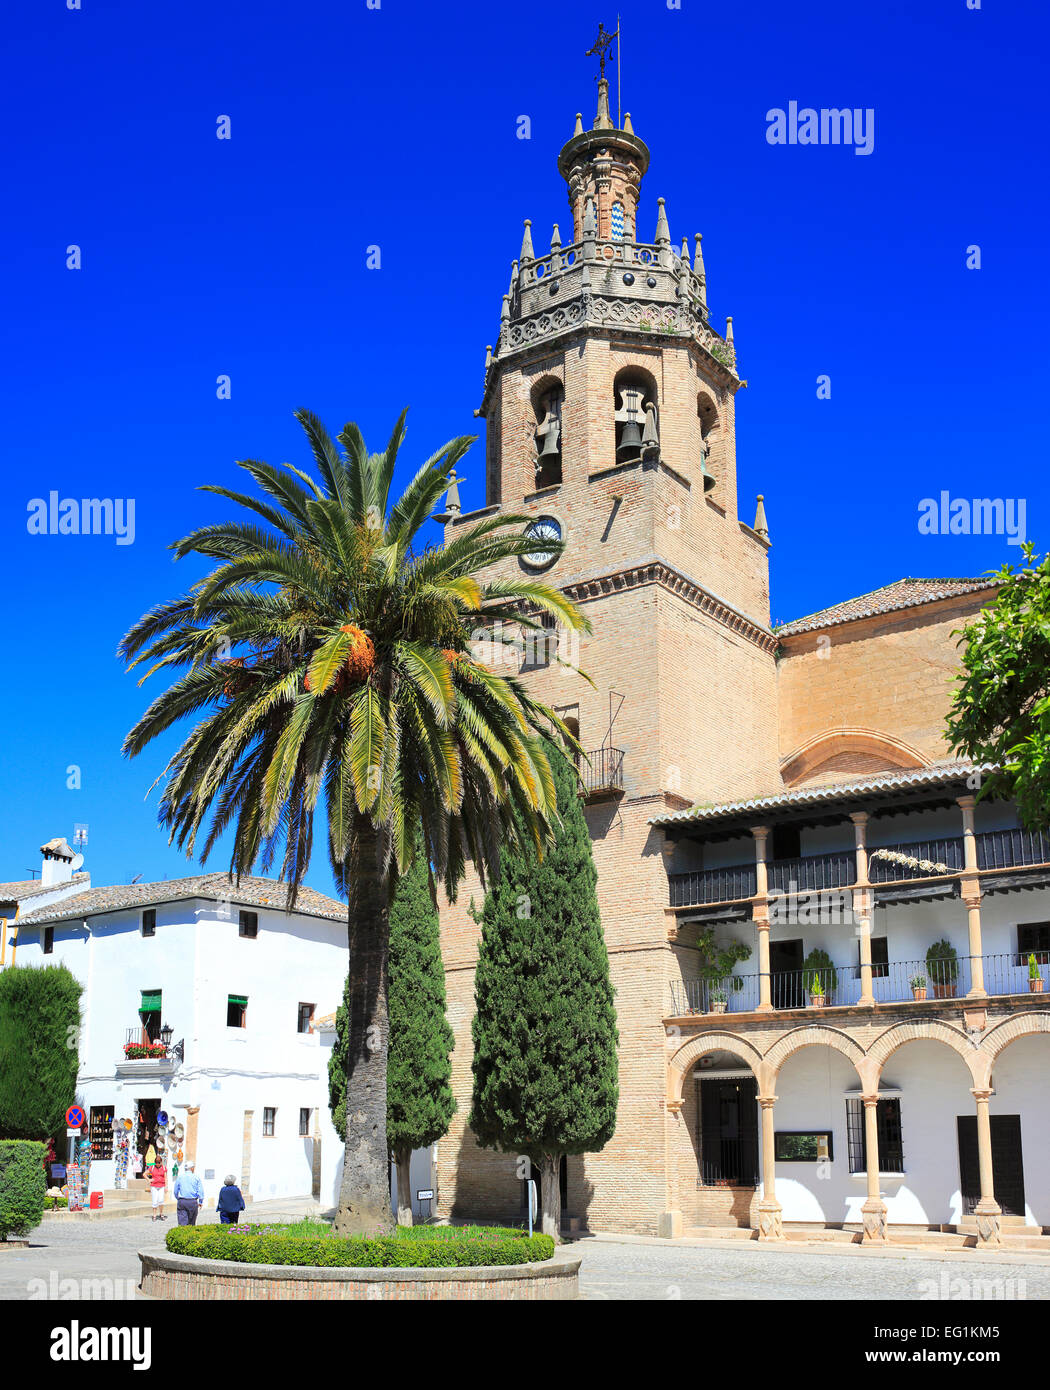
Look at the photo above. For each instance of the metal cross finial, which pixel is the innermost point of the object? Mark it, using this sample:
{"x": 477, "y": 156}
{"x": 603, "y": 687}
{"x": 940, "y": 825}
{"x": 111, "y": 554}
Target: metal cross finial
{"x": 601, "y": 46}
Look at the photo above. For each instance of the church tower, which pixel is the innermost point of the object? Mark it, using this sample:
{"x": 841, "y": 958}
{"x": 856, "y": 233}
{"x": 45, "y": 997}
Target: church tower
{"x": 609, "y": 407}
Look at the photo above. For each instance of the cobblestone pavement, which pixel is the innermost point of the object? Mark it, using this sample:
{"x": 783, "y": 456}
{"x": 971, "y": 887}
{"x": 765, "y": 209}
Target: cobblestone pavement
{"x": 745, "y": 1270}
{"x": 94, "y": 1252}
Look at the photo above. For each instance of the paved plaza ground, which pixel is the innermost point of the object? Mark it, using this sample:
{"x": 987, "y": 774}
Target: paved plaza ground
{"x": 612, "y": 1268}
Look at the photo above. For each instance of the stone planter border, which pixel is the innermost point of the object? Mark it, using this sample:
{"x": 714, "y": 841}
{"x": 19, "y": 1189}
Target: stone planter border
{"x": 190, "y": 1278}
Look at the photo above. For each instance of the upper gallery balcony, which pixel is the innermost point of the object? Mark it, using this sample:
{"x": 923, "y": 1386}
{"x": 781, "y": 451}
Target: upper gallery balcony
{"x": 940, "y": 862}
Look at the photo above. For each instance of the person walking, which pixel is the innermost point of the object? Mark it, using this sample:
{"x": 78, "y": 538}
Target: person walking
{"x": 230, "y": 1203}
{"x": 158, "y": 1182}
{"x": 189, "y": 1195}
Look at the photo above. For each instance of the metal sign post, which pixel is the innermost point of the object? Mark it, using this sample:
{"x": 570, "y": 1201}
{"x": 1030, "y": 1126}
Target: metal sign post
{"x": 534, "y": 1205}
{"x": 425, "y": 1195}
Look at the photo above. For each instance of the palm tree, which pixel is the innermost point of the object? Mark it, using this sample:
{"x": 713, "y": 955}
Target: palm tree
{"x": 327, "y": 657}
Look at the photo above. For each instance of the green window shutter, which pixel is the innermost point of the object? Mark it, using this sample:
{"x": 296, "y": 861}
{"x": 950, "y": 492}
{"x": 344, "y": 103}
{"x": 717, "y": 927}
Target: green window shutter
{"x": 150, "y": 1001}
{"x": 239, "y": 999}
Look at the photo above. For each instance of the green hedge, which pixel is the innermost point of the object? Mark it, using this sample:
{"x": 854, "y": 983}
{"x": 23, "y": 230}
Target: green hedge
{"x": 22, "y": 1186}
{"x": 271, "y": 1246}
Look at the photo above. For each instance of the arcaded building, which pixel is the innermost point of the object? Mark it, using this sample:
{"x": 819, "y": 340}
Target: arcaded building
{"x": 875, "y": 1059}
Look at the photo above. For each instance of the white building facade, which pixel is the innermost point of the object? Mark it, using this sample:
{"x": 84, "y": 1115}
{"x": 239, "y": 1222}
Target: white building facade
{"x": 234, "y": 996}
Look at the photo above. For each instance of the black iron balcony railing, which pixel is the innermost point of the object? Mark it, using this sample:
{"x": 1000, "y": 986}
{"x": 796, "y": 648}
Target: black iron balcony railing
{"x": 948, "y": 852}
{"x": 713, "y": 885}
{"x": 892, "y": 983}
{"x": 738, "y": 994}
{"x": 1007, "y": 849}
{"x": 812, "y": 874}
{"x": 603, "y": 774}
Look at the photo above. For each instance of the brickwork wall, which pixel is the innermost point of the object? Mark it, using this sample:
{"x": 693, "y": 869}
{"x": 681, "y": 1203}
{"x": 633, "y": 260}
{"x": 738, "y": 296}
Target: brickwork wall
{"x": 179, "y": 1280}
{"x": 892, "y": 674}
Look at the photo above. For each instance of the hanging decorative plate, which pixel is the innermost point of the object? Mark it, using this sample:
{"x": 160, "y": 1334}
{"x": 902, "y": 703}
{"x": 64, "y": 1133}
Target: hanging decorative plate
{"x": 162, "y": 1118}
{"x": 177, "y": 1130}
{"x": 127, "y": 1124}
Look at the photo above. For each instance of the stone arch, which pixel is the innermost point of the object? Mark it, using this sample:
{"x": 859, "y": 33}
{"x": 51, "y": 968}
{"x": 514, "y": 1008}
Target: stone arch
{"x": 825, "y": 751}
{"x": 680, "y": 1061}
{"x": 927, "y": 1030}
{"x": 812, "y": 1036}
{"x": 1024, "y": 1025}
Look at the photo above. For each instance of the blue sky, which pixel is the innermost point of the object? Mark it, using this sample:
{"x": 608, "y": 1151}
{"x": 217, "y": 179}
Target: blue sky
{"x": 396, "y": 127}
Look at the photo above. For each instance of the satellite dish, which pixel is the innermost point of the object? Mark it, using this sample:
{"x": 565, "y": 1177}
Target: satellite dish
{"x": 75, "y": 863}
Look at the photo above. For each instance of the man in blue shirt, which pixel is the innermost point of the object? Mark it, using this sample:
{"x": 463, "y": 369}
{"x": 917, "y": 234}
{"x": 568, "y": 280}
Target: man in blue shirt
{"x": 189, "y": 1195}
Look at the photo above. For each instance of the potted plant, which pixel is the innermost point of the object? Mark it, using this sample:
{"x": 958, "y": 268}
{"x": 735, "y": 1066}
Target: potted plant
{"x": 942, "y": 964}
{"x": 918, "y": 986}
{"x": 717, "y": 967}
{"x": 816, "y": 992}
{"x": 818, "y": 966}
{"x": 1035, "y": 980}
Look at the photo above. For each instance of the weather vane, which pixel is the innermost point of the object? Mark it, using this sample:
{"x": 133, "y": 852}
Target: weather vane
{"x": 601, "y": 47}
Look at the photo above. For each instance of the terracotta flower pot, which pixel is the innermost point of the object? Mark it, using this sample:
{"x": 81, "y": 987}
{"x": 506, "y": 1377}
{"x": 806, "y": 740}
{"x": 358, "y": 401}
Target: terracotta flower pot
{"x": 918, "y": 994}
{"x": 1036, "y": 985}
{"x": 718, "y": 1006}
{"x": 816, "y": 1001}
{"x": 945, "y": 991}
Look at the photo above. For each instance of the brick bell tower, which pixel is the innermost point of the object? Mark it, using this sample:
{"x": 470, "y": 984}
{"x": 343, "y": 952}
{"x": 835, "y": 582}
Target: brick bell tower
{"x": 609, "y": 404}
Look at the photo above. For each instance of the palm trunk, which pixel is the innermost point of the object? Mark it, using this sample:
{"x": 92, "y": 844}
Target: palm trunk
{"x": 404, "y": 1186}
{"x": 550, "y": 1195}
{"x": 364, "y": 1197}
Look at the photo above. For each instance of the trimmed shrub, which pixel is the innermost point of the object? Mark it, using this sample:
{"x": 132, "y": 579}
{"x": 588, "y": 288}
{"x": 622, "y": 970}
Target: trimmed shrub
{"x": 23, "y": 1186}
{"x": 271, "y": 1245}
{"x": 39, "y": 1056}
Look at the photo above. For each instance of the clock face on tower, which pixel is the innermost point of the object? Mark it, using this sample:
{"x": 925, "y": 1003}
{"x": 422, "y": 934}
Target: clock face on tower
{"x": 544, "y": 528}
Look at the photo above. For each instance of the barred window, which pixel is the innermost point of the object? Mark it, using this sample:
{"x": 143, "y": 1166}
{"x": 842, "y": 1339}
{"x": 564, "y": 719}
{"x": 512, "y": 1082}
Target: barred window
{"x": 888, "y": 1125}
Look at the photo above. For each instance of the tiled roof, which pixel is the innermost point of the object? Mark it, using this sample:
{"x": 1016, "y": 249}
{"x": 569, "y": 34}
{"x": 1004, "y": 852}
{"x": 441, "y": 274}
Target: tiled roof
{"x": 33, "y": 888}
{"x": 249, "y": 892}
{"x": 903, "y": 593}
{"x": 812, "y": 796}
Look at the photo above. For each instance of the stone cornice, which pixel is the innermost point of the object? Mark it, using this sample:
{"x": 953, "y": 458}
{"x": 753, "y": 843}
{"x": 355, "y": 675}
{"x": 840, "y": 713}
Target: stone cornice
{"x": 659, "y": 572}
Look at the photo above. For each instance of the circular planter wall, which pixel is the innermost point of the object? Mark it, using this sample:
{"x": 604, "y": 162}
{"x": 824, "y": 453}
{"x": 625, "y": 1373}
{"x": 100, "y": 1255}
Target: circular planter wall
{"x": 188, "y": 1278}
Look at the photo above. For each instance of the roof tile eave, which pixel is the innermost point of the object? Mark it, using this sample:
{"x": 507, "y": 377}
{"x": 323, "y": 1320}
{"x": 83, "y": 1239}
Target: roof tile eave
{"x": 250, "y": 892}
{"x": 849, "y": 611}
{"x": 813, "y": 795}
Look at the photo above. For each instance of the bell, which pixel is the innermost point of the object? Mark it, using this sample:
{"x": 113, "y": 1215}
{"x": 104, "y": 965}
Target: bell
{"x": 709, "y": 482}
{"x": 630, "y": 444}
{"x": 550, "y": 444}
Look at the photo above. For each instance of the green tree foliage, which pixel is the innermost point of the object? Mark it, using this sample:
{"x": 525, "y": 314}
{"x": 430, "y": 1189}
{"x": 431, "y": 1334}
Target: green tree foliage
{"x": 326, "y": 666}
{"x": 419, "y": 1100}
{"x": 39, "y": 1052}
{"x": 23, "y": 1186}
{"x": 1000, "y": 710}
{"x": 545, "y": 1037}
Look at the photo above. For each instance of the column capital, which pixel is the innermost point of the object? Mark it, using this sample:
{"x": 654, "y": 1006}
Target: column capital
{"x": 871, "y": 1100}
{"x": 859, "y": 817}
{"x": 967, "y": 803}
{"x": 766, "y": 1102}
{"x": 760, "y": 832}
{"x": 982, "y": 1094}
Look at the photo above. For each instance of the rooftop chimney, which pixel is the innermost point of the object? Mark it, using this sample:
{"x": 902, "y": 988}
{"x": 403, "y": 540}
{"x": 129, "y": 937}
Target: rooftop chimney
{"x": 58, "y": 862}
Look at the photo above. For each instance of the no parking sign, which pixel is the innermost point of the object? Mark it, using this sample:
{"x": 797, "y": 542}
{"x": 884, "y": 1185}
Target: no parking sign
{"x": 75, "y": 1116}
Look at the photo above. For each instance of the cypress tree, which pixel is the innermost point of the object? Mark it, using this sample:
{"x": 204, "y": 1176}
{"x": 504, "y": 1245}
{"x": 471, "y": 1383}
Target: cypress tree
{"x": 39, "y": 1049}
{"x": 545, "y": 1037}
{"x": 420, "y": 1104}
